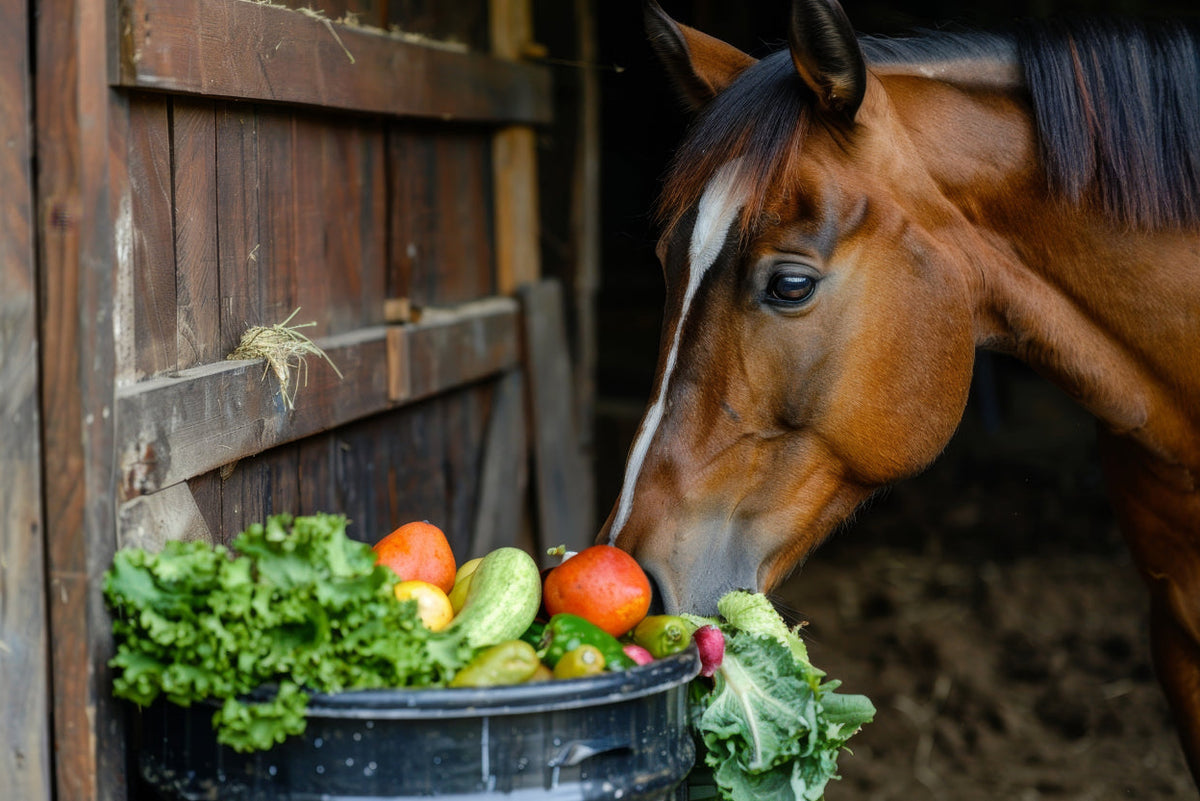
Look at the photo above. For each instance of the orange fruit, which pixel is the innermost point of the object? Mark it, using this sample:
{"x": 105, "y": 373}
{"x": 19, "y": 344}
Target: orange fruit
{"x": 418, "y": 551}
{"x": 433, "y": 606}
{"x": 602, "y": 584}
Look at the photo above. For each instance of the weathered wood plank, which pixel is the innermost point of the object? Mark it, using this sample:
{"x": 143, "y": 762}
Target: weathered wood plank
{"x": 276, "y": 259}
{"x": 252, "y": 51}
{"x": 25, "y": 753}
{"x": 387, "y": 470}
{"x": 197, "y": 280}
{"x": 465, "y": 417}
{"x": 440, "y": 214}
{"x": 561, "y": 476}
{"x": 451, "y": 348}
{"x": 258, "y": 487}
{"x": 150, "y": 521}
{"x": 83, "y": 191}
{"x": 240, "y": 239}
{"x": 340, "y": 205}
{"x": 463, "y": 22}
{"x": 504, "y": 473}
{"x": 514, "y": 157}
{"x": 206, "y": 494}
{"x": 150, "y": 335}
{"x": 176, "y": 427}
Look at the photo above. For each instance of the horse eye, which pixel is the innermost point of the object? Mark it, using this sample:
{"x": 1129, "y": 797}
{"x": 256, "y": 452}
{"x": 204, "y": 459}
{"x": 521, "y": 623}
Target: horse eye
{"x": 791, "y": 288}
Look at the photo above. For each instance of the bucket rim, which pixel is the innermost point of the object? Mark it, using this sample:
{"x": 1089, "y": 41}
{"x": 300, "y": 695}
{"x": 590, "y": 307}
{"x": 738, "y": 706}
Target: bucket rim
{"x": 517, "y": 699}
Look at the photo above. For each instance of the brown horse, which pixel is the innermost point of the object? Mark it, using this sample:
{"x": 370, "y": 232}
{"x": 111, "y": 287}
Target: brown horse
{"x": 850, "y": 218}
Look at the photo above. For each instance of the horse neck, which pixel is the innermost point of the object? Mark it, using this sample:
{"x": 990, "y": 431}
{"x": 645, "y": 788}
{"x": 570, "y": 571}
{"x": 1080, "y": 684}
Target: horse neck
{"x": 1112, "y": 316}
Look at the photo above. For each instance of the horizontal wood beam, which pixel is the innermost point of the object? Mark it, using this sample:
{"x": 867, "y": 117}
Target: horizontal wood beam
{"x": 176, "y": 427}
{"x": 250, "y": 51}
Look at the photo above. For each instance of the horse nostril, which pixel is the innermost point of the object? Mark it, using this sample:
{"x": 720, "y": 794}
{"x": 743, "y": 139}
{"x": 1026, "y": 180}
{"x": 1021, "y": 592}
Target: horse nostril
{"x": 657, "y": 606}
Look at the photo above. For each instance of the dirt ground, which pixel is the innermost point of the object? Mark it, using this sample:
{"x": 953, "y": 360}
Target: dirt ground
{"x": 990, "y": 611}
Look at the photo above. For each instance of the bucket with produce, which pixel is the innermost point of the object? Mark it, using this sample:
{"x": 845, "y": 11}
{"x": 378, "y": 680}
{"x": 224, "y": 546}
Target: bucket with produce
{"x": 301, "y": 664}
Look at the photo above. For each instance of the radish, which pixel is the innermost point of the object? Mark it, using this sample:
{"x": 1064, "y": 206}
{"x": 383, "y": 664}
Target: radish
{"x": 711, "y": 643}
{"x": 638, "y": 654}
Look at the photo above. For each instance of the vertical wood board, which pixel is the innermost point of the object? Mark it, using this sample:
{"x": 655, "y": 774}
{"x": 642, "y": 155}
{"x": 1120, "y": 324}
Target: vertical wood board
{"x": 441, "y": 208}
{"x": 197, "y": 279}
{"x": 564, "y": 498}
{"x": 25, "y": 752}
{"x": 146, "y": 299}
{"x": 514, "y": 155}
{"x": 504, "y": 473}
{"x": 340, "y": 208}
{"x": 84, "y": 197}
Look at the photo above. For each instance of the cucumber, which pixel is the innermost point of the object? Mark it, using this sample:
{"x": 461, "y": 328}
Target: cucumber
{"x": 504, "y": 597}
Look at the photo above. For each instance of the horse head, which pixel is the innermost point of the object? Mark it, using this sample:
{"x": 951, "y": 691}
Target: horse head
{"x": 819, "y": 333}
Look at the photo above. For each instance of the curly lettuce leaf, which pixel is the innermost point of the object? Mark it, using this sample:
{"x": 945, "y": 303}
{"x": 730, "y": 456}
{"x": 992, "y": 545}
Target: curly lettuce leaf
{"x": 752, "y": 613}
{"x": 771, "y": 728}
{"x": 296, "y": 604}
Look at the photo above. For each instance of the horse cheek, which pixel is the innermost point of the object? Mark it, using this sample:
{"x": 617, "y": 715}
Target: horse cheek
{"x": 904, "y": 405}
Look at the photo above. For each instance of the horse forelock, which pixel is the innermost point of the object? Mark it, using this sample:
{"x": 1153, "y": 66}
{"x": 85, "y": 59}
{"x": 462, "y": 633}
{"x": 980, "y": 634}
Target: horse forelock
{"x": 759, "y": 123}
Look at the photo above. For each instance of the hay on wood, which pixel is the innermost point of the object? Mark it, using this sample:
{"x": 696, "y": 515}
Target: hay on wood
{"x": 284, "y": 349}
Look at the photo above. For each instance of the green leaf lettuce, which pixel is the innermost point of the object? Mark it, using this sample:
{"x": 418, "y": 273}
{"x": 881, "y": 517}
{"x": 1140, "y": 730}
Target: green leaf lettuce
{"x": 770, "y": 726}
{"x": 295, "y": 605}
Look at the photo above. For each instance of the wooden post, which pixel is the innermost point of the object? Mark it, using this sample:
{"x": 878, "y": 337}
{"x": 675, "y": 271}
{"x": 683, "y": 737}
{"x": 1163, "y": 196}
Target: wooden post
{"x": 514, "y": 157}
{"x": 24, "y": 731}
{"x": 84, "y": 210}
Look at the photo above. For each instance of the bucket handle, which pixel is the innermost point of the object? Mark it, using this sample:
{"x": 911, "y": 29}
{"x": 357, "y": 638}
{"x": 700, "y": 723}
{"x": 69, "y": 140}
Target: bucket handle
{"x": 577, "y": 751}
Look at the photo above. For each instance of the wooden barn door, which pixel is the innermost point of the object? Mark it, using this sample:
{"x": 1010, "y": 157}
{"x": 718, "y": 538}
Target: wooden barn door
{"x": 209, "y": 165}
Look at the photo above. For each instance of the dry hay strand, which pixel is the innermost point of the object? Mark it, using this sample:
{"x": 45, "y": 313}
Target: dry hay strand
{"x": 284, "y": 349}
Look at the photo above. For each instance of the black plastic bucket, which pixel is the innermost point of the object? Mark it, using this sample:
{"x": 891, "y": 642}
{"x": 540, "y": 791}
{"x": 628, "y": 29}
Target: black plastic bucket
{"x": 614, "y": 736}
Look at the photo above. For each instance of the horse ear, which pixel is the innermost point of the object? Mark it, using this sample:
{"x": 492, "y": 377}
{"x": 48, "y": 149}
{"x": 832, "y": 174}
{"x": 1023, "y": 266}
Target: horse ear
{"x": 826, "y": 54}
{"x": 701, "y": 66}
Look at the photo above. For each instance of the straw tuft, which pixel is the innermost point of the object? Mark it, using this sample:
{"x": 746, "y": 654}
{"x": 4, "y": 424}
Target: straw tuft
{"x": 284, "y": 348}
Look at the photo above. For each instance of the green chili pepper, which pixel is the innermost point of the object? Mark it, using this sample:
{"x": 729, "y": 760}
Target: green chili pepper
{"x": 566, "y": 632}
{"x": 533, "y": 634}
{"x": 509, "y": 662}
{"x": 586, "y": 660}
{"x": 663, "y": 635}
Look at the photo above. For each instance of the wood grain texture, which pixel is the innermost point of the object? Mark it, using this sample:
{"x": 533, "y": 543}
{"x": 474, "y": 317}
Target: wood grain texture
{"x": 464, "y": 418}
{"x": 340, "y": 207}
{"x": 240, "y": 236}
{"x": 514, "y": 157}
{"x": 441, "y": 214}
{"x": 177, "y": 427}
{"x": 25, "y": 753}
{"x": 149, "y": 332}
{"x": 234, "y": 49}
{"x": 152, "y": 520}
{"x": 504, "y": 471}
{"x": 452, "y": 348}
{"x": 561, "y": 475}
{"x": 197, "y": 279}
{"x": 84, "y": 195}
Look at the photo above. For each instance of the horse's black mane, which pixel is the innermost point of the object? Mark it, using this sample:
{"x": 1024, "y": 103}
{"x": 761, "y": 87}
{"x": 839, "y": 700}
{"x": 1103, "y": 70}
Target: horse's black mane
{"x": 1116, "y": 104}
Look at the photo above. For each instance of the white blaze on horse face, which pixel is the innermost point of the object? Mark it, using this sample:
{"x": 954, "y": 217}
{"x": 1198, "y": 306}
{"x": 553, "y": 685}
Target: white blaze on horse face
{"x": 723, "y": 198}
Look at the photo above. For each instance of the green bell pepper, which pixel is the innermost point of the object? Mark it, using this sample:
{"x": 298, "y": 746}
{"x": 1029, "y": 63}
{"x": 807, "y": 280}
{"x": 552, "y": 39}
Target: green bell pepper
{"x": 566, "y": 632}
